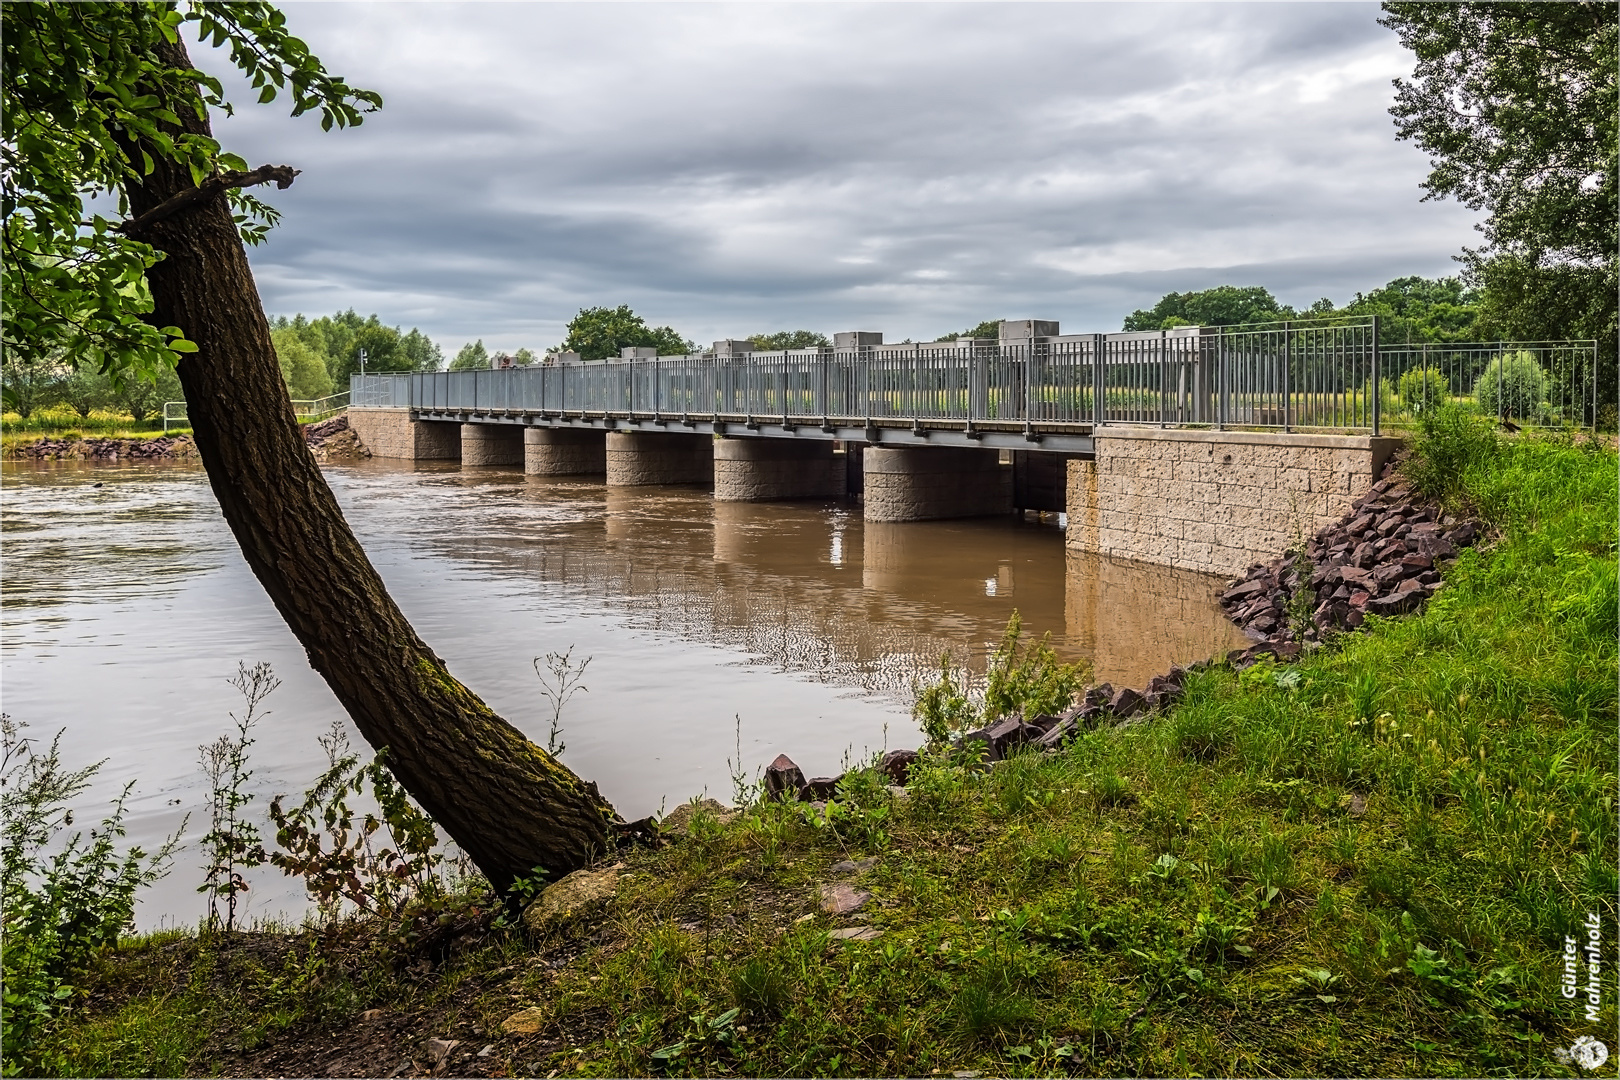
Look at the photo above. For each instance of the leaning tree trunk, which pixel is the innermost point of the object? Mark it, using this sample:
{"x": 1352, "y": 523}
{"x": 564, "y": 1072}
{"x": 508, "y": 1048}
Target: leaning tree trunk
{"x": 507, "y": 803}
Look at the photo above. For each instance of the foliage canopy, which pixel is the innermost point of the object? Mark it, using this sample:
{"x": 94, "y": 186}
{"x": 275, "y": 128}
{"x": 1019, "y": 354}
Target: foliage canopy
{"x": 84, "y": 93}
{"x": 598, "y": 333}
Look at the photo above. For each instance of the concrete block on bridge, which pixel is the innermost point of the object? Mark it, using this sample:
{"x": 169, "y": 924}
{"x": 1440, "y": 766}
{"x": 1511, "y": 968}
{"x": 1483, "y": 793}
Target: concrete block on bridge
{"x": 564, "y": 451}
{"x": 757, "y": 470}
{"x": 639, "y": 458}
{"x": 1214, "y": 501}
{"x": 929, "y": 483}
{"x": 391, "y": 433}
{"x": 491, "y": 444}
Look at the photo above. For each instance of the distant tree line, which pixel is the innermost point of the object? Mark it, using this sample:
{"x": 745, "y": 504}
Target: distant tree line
{"x": 1414, "y": 309}
{"x": 317, "y": 356}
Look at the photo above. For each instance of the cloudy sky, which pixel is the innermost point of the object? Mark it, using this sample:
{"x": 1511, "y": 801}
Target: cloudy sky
{"x": 910, "y": 168}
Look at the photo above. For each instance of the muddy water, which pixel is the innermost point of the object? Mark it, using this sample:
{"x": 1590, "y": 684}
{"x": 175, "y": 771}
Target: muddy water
{"x": 789, "y": 627}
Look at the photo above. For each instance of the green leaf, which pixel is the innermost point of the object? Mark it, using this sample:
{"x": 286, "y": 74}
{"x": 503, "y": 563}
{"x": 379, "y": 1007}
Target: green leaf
{"x": 182, "y": 346}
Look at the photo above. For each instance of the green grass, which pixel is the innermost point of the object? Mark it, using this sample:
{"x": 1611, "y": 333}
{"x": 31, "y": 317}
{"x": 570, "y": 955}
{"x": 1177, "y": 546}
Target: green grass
{"x": 1364, "y": 864}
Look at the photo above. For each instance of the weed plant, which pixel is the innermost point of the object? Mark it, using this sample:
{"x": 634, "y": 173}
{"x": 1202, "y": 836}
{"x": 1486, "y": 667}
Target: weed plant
{"x": 65, "y": 897}
{"x": 232, "y": 841}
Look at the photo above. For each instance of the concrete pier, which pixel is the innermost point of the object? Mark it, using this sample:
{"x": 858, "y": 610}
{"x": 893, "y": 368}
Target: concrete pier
{"x": 391, "y": 433}
{"x": 564, "y": 452}
{"x": 636, "y": 458}
{"x": 758, "y": 470}
{"x": 491, "y": 444}
{"x": 923, "y": 484}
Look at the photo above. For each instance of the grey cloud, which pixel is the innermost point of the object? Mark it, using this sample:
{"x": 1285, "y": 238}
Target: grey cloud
{"x": 911, "y": 168}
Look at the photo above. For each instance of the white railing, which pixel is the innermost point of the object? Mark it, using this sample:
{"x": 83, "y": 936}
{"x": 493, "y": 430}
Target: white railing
{"x": 321, "y": 408}
{"x": 174, "y": 412}
{"x": 307, "y": 410}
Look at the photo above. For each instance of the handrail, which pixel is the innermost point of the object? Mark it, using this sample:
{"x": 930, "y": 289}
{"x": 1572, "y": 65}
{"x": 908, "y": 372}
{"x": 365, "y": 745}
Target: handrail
{"x": 1309, "y": 375}
{"x": 321, "y": 408}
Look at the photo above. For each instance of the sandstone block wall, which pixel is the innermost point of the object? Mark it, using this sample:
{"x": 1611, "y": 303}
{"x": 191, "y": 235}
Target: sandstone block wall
{"x": 391, "y": 433}
{"x": 491, "y": 444}
{"x": 751, "y": 470}
{"x": 564, "y": 452}
{"x": 927, "y": 483}
{"x": 637, "y": 458}
{"x": 1213, "y": 501}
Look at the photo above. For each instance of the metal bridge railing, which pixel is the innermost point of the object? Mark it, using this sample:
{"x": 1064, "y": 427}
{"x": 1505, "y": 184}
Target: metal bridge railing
{"x": 1309, "y": 375}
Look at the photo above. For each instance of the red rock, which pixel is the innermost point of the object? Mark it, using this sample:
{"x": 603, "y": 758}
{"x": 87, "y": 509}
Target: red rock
{"x": 783, "y": 778}
{"x": 896, "y": 765}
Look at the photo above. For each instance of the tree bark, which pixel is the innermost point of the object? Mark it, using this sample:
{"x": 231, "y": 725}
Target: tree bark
{"x": 507, "y": 803}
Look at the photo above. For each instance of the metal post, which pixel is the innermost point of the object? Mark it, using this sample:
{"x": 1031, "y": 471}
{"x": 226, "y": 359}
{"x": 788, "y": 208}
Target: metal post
{"x": 1377, "y": 380}
{"x": 1288, "y": 377}
{"x": 1501, "y": 403}
{"x": 1098, "y": 383}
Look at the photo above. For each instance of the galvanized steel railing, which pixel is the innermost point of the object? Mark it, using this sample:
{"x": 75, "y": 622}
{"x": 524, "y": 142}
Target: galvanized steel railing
{"x": 1317, "y": 375}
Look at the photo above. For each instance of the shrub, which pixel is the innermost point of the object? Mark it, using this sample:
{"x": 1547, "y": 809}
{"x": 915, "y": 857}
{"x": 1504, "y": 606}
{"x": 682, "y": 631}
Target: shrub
{"x": 1513, "y": 387}
{"x": 1029, "y": 680}
{"x": 943, "y": 708}
{"x": 60, "y": 908}
{"x": 1449, "y": 442}
{"x": 1422, "y": 388}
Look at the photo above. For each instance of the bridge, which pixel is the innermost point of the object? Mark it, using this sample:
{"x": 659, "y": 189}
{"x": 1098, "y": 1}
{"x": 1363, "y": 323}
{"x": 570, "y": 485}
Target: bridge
{"x": 1200, "y": 447}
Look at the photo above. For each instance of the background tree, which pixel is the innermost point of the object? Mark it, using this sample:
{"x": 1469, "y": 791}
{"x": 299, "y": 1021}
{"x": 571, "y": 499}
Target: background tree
{"x": 524, "y": 357}
{"x": 104, "y": 98}
{"x": 421, "y": 353}
{"x": 599, "y": 333}
{"x": 1516, "y": 105}
{"x": 302, "y": 368}
{"x": 1224, "y": 305}
{"x": 989, "y": 328}
{"x": 1415, "y": 309}
{"x": 84, "y": 390}
{"x": 789, "y": 339}
{"x": 27, "y": 381}
{"x": 471, "y": 356}
{"x": 146, "y": 397}
{"x": 339, "y": 338}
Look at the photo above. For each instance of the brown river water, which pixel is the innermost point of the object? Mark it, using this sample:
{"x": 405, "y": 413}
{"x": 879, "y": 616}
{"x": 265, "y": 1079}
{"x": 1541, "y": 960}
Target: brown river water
{"x": 779, "y": 627}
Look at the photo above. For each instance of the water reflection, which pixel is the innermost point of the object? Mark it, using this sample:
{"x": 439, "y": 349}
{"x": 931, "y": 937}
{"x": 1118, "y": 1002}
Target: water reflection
{"x": 783, "y": 627}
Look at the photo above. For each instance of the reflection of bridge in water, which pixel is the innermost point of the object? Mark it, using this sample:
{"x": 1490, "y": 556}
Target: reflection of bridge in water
{"x": 813, "y": 589}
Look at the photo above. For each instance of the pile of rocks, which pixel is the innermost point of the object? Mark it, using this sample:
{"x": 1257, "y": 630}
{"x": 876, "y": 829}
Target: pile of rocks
{"x": 1099, "y": 705}
{"x": 177, "y": 446}
{"x": 333, "y": 438}
{"x": 1381, "y": 558}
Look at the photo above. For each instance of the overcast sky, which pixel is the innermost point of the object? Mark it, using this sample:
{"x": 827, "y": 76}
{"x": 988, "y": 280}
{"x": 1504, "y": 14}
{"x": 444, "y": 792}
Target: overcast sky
{"x": 909, "y": 168}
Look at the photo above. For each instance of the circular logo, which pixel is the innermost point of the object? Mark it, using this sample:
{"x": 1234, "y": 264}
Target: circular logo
{"x": 1589, "y": 1053}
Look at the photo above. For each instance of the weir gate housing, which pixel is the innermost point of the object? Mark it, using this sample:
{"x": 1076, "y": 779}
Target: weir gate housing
{"x": 1198, "y": 447}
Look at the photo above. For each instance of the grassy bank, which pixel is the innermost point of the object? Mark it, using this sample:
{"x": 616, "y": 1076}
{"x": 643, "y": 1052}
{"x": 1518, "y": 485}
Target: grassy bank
{"x": 15, "y": 432}
{"x": 1363, "y": 863}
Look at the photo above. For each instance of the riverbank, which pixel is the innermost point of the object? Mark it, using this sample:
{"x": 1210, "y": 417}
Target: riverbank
{"x": 330, "y": 440}
{"x": 1362, "y": 862}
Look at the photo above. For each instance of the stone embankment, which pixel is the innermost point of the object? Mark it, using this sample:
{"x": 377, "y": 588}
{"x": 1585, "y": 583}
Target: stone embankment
{"x": 329, "y": 440}
{"x": 334, "y": 440}
{"x": 166, "y": 446}
{"x": 1381, "y": 558}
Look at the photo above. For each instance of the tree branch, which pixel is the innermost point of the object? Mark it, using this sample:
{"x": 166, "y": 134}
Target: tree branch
{"x": 208, "y": 189}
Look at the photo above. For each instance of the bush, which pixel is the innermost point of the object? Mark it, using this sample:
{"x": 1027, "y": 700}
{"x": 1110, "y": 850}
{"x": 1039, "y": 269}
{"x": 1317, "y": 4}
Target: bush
{"x": 60, "y": 908}
{"x": 1029, "y": 680}
{"x": 1513, "y": 387}
{"x": 1422, "y": 388}
{"x": 1449, "y": 442}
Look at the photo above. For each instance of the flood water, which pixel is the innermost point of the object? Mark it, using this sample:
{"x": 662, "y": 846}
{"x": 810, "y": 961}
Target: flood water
{"x": 779, "y": 627}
